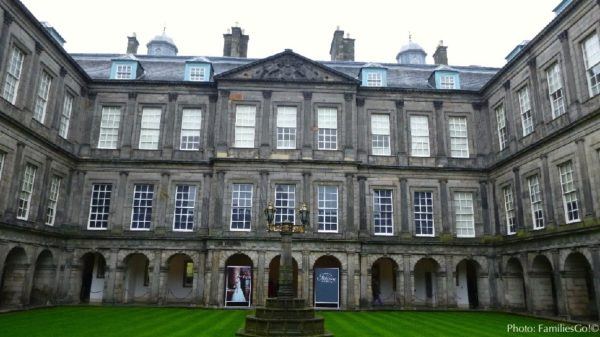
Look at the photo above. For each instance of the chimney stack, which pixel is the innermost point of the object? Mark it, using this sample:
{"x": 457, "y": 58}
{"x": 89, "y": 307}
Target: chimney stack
{"x": 132, "y": 44}
{"x": 441, "y": 54}
{"x": 342, "y": 48}
{"x": 235, "y": 43}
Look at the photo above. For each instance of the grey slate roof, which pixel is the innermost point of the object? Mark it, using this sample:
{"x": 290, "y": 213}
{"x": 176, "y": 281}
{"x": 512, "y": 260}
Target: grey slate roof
{"x": 171, "y": 68}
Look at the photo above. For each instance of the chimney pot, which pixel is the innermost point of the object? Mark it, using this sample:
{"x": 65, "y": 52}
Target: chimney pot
{"x": 235, "y": 43}
{"x": 342, "y": 48}
{"x": 132, "y": 44}
{"x": 441, "y": 54}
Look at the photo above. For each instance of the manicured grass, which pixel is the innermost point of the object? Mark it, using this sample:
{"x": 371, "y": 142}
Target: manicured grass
{"x": 178, "y": 322}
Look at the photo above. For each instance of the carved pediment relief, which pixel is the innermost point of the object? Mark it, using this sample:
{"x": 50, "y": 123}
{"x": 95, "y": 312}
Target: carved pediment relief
{"x": 286, "y": 67}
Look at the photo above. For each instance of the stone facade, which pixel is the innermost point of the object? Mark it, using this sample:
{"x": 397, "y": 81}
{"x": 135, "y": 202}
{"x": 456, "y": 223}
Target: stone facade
{"x": 554, "y": 270}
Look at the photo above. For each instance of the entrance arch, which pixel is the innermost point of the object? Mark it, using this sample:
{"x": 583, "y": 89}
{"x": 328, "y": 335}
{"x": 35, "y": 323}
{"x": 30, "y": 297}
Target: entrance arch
{"x": 13, "y": 278}
{"x": 383, "y": 281}
{"x": 327, "y": 283}
{"x": 467, "y": 287}
{"x": 426, "y": 282}
{"x": 44, "y": 276}
{"x": 238, "y": 281}
{"x": 579, "y": 286}
{"x": 274, "y": 276}
{"x": 137, "y": 278}
{"x": 92, "y": 278}
{"x": 180, "y": 278}
{"x": 544, "y": 291}
{"x": 514, "y": 286}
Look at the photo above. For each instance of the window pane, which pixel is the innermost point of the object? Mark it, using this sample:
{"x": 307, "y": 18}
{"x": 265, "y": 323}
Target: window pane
{"x": 245, "y": 116}
{"x": 141, "y": 215}
{"x": 26, "y": 192}
{"x": 191, "y": 121}
{"x": 109, "y": 127}
{"x": 383, "y": 222}
{"x": 41, "y": 100}
{"x": 423, "y": 213}
{"x": 65, "y": 117}
{"x": 100, "y": 206}
{"x": 185, "y": 203}
{"x": 463, "y": 209}
{"x": 150, "y": 129}
{"x": 285, "y": 203}
{"x": 241, "y": 206}
{"x": 419, "y": 132}
{"x": 286, "y": 127}
{"x": 328, "y": 208}
{"x": 380, "y": 130}
{"x": 459, "y": 145}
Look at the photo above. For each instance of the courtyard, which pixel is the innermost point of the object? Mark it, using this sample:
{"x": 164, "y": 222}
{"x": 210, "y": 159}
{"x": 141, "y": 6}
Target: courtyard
{"x": 74, "y": 321}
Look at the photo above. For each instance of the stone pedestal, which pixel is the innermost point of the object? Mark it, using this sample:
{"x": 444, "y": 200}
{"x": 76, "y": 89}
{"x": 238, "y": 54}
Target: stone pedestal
{"x": 284, "y": 317}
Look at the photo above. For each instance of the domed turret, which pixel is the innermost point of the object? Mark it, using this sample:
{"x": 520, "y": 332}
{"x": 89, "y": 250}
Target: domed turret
{"x": 162, "y": 45}
{"x": 411, "y": 53}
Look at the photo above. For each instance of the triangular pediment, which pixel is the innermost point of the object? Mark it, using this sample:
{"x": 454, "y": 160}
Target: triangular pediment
{"x": 286, "y": 67}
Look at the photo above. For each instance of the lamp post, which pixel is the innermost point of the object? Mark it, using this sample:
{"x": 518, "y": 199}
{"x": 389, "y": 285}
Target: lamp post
{"x": 285, "y": 315}
{"x": 286, "y": 229}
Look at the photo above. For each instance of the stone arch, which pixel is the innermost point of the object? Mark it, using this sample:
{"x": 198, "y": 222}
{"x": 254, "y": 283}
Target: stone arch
{"x": 136, "y": 284}
{"x": 468, "y": 287}
{"x": 579, "y": 286}
{"x": 274, "y": 276}
{"x": 178, "y": 283}
{"x": 384, "y": 282}
{"x": 514, "y": 285}
{"x": 93, "y": 270}
{"x": 42, "y": 290}
{"x": 239, "y": 280}
{"x": 14, "y": 276}
{"x": 544, "y": 291}
{"x": 326, "y": 297}
{"x": 427, "y": 282}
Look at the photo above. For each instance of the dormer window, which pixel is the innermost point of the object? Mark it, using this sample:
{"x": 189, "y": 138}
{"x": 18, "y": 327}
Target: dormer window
{"x": 373, "y": 75}
{"x": 446, "y": 78}
{"x": 124, "y": 69}
{"x": 196, "y": 74}
{"x": 198, "y": 70}
{"x": 374, "y": 80}
{"x": 447, "y": 82}
{"x": 123, "y": 72}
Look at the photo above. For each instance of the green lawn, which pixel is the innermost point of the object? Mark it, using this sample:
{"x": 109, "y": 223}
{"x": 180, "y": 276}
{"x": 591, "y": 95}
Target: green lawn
{"x": 162, "y": 322}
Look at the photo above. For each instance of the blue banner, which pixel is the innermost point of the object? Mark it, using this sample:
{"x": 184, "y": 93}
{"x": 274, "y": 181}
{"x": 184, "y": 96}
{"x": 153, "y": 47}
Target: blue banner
{"x": 327, "y": 286}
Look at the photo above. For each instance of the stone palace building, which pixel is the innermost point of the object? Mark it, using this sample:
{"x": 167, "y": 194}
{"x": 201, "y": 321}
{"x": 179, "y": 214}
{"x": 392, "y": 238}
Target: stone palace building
{"x": 142, "y": 178}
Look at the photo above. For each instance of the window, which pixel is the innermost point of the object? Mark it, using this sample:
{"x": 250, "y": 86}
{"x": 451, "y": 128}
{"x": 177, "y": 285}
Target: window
{"x": 188, "y": 274}
{"x": 109, "y": 127}
{"x": 26, "y": 192}
{"x": 65, "y": 116}
{"x": 327, "y": 124}
{"x": 124, "y": 72}
{"x": 447, "y": 82}
{"x": 285, "y": 203}
{"x": 374, "y": 79}
{"x": 423, "y": 213}
{"x": 459, "y": 144}
{"x": 286, "y": 127}
{"x": 52, "y": 200}
{"x": 41, "y": 99}
{"x": 191, "y": 121}
{"x": 241, "y": 207}
{"x": 591, "y": 61}
{"x": 380, "y": 130}
{"x": 569, "y": 192}
{"x": 383, "y": 212}
{"x": 245, "y": 118}
{"x": 526, "y": 116}
{"x": 555, "y": 90}
{"x": 419, "y": 134}
{"x": 465, "y": 217}
{"x": 535, "y": 197}
{"x": 185, "y": 203}
{"x": 501, "y": 124}
{"x": 13, "y": 75}
{"x": 328, "y": 209}
{"x": 509, "y": 210}
{"x": 141, "y": 215}
{"x": 100, "y": 206}
{"x": 150, "y": 129}
{"x": 197, "y": 73}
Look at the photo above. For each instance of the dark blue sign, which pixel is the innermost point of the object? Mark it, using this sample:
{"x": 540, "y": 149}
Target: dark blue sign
{"x": 327, "y": 286}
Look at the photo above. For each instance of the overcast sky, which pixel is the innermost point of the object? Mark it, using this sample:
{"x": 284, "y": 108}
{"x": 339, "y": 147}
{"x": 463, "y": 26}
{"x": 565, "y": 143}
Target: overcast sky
{"x": 476, "y": 32}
